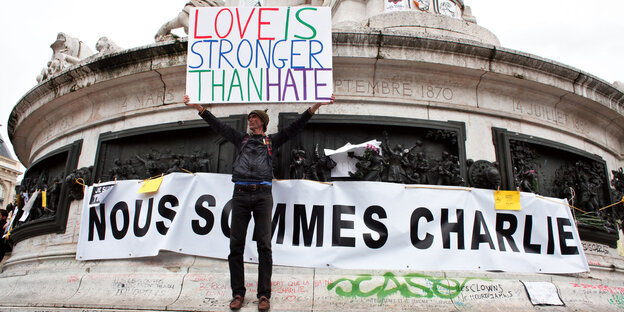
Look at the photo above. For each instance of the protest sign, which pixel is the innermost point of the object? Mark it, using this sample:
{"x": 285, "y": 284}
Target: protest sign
{"x": 28, "y": 206}
{"x": 396, "y": 5}
{"x": 259, "y": 54}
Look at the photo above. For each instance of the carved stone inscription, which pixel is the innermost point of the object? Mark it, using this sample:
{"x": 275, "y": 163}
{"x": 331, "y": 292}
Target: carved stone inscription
{"x": 549, "y": 114}
{"x": 411, "y": 89}
{"x": 440, "y": 92}
{"x": 145, "y": 98}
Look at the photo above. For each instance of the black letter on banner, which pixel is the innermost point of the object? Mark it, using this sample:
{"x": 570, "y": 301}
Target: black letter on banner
{"x": 301, "y": 221}
{"x": 501, "y": 218}
{"x": 338, "y": 224}
{"x": 477, "y": 237}
{"x": 205, "y": 213}
{"x": 376, "y": 226}
{"x": 225, "y": 216}
{"x": 551, "y": 239}
{"x": 97, "y": 223}
{"x": 141, "y": 231}
{"x": 447, "y": 228}
{"x": 279, "y": 216}
{"x": 563, "y": 236}
{"x": 117, "y": 233}
{"x": 165, "y": 212}
{"x": 416, "y": 215}
{"x": 528, "y": 230}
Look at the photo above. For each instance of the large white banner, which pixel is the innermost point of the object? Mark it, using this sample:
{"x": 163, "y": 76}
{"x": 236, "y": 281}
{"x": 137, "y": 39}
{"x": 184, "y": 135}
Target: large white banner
{"x": 355, "y": 225}
{"x": 259, "y": 54}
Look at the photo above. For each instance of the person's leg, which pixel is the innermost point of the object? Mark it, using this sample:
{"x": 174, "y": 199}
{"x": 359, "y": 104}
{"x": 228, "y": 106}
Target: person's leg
{"x": 263, "y": 210}
{"x": 241, "y": 214}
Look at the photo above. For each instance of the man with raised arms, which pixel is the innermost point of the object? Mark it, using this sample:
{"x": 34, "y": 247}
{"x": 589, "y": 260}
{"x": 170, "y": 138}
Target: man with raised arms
{"x": 252, "y": 175}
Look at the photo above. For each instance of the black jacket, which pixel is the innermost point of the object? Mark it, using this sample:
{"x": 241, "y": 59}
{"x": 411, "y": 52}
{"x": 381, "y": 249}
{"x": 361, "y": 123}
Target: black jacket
{"x": 254, "y": 162}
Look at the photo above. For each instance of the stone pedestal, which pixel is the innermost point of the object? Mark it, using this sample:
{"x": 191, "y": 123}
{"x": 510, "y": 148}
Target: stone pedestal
{"x": 380, "y": 70}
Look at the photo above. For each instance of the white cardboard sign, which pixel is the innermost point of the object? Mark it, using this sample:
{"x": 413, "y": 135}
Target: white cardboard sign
{"x": 259, "y": 54}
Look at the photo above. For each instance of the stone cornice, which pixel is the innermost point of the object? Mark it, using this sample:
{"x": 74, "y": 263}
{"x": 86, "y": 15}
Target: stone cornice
{"x": 97, "y": 70}
{"x": 389, "y": 48}
{"x": 514, "y": 66}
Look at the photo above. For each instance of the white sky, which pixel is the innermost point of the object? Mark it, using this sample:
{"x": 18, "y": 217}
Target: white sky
{"x": 587, "y": 35}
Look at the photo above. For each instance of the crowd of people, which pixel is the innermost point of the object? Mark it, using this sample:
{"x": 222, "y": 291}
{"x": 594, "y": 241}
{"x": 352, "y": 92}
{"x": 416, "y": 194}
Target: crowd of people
{"x": 6, "y": 217}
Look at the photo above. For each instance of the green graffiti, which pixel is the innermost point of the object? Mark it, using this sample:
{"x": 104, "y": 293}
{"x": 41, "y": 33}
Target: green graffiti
{"x": 617, "y": 300}
{"x": 410, "y": 287}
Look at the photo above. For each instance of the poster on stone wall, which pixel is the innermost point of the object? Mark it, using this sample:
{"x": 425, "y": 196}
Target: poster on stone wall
{"x": 396, "y": 5}
{"x": 259, "y": 54}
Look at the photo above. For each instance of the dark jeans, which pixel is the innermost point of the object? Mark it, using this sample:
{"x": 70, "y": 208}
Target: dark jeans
{"x": 258, "y": 203}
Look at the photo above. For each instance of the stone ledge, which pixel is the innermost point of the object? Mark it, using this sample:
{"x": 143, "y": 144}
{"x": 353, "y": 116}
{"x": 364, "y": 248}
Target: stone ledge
{"x": 174, "y": 282}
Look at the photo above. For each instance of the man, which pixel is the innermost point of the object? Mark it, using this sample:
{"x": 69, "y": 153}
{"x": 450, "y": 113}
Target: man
{"x": 252, "y": 174}
{"x": 3, "y": 225}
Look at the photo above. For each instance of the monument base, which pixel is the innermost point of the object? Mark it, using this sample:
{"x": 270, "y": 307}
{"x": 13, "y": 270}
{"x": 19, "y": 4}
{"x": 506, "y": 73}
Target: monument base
{"x": 175, "y": 282}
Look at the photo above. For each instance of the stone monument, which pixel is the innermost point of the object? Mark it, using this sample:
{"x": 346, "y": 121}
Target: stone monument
{"x": 453, "y": 108}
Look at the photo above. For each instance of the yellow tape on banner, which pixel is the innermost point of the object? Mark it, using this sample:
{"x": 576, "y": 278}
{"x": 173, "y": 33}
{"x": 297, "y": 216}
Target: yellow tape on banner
{"x": 150, "y": 186}
{"x": 507, "y": 200}
{"x": 44, "y": 202}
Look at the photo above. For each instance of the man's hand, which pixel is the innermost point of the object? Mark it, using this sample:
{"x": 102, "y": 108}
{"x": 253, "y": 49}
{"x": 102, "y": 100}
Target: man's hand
{"x": 316, "y": 106}
{"x": 187, "y": 101}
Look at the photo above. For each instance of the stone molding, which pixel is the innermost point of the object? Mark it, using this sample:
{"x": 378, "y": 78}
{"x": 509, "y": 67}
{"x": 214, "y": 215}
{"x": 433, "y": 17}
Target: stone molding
{"x": 163, "y": 62}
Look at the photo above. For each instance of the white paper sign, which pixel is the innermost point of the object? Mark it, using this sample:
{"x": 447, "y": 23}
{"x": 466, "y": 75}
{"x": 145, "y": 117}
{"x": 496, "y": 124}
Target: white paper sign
{"x": 346, "y": 164}
{"x": 352, "y": 225}
{"x": 396, "y": 5}
{"x": 28, "y": 206}
{"x": 99, "y": 192}
{"x": 543, "y": 293}
{"x": 259, "y": 54}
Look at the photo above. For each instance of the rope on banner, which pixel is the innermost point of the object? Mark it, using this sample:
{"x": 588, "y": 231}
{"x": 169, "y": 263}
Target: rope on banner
{"x": 583, "y": 211}
{"x": 548, "y": 199}
{"x": 441, "y": 188}
{"x": 154, "y": 177}
{"x": 572, "y": 196}
{"x": 326, "y": 183}
{"x": 81, "y": 183}
{"x": 621, "y": 201}
{"x": 193, "y": 173}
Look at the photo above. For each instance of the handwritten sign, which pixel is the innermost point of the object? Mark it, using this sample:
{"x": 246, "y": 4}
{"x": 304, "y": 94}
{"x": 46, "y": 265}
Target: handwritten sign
{"x": 507, "y": 200}
{"x": 396, "y": 5}
{"x": 259, "y": 54}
